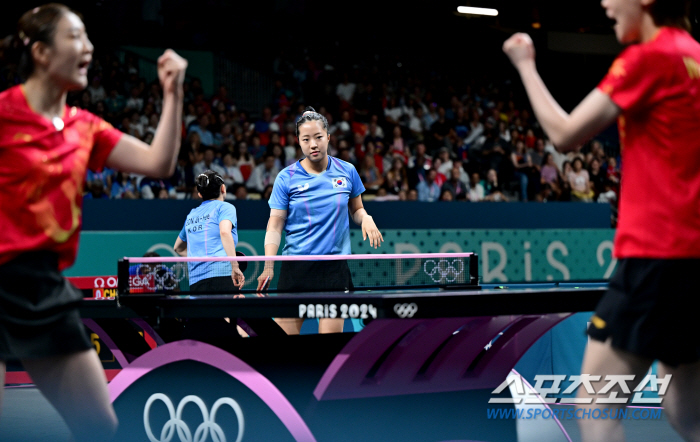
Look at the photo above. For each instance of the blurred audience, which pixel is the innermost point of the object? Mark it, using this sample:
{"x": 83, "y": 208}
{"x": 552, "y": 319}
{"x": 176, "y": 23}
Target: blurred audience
{"x": 411, "y": 137}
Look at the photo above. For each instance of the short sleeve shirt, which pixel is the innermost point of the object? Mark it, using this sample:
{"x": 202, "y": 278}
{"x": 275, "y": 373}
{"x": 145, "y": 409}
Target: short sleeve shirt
{"x": 42, "y": 171}
{"x": 657, "y": 86}
{"x": 317, "y": 207}
{"x": 201, "y": 233}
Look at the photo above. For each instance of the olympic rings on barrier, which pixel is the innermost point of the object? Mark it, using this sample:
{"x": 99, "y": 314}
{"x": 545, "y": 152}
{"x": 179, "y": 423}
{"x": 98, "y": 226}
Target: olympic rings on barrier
{"x": 445, "y": 269}
{"x": 405, "y": 310}
{"x": 183, "y": 430}
{"x": 165, "y": 278}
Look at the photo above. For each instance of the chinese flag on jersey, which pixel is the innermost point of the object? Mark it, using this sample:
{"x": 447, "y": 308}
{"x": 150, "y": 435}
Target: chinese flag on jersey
{"x": 42, "y": 170}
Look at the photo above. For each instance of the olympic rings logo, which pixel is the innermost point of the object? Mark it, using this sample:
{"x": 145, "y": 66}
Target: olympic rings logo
{"x": 405, "y": 310}
{"x": 165, "y": 278}
{"x": 183, "y": 430}
{"x": 443, "y": 269}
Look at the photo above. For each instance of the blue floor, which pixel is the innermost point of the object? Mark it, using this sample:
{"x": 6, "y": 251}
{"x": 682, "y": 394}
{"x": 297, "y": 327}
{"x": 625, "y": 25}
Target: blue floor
{"x": 27, "y": 417}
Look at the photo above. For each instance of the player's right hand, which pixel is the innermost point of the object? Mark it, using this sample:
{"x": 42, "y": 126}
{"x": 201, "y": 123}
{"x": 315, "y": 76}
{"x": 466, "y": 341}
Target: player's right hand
{"x": 265, "y": 279}
{"x": 171, "y": 71}
{"x": 370, "y": 230}
{"x": 519, "y": 48}
{"x": 238, "y": 277}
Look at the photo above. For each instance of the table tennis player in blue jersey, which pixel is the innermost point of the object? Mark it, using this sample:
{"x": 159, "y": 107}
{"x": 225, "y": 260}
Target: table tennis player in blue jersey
{"x": 210, "y": 230}
{"x": 312, "y": 201}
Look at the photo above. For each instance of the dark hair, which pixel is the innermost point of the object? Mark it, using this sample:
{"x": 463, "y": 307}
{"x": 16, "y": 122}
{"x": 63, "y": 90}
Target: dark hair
{"x": 236, "y": 152}
{"x": 545, "y": 157}
{"x": 209, "y": 184}
{"x": 310, "y": 114}
{"x": 270, "y": 150}
{"x": 672, "y": 13}
{"x": 35, "y": 25}
{"x": 267, "y": 188}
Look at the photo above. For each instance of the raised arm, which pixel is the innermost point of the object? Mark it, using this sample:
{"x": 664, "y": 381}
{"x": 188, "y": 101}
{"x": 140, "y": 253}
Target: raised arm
{"x": 273, "y": 238}
{"x": 157, "y": 160}
{"x": 361, "y": 218}
{"x": 596, "y": 112}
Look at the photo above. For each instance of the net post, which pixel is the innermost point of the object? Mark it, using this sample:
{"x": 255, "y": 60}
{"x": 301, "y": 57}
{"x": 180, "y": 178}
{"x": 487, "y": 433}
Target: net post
{"x": 474, "y": 269}
{"x": 123, "y": 276}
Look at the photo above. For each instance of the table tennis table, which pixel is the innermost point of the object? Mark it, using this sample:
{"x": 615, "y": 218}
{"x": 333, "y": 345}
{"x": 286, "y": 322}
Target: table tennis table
{"x": 422, "y": 368}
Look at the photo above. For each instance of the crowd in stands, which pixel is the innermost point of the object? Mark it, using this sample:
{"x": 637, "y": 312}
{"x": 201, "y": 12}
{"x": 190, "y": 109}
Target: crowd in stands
{"x": 408, "y": 141}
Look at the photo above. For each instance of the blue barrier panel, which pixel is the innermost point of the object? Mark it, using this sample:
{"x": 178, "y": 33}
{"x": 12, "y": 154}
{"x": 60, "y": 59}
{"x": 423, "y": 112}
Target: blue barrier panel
{"x": 116, "y": 215}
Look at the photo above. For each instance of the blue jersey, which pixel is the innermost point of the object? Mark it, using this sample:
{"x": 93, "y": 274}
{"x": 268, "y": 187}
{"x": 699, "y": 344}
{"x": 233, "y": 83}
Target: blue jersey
{"x": 201, "y": 233}
{"x": 317, "y": 207}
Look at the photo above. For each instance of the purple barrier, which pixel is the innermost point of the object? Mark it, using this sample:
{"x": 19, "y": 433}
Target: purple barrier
{"x": 545, "y": 404}
{"x": 146, "y": 327}
{"x": 398, "y": 356}
{"x": 118, "y": 355}
{"x": 215, "y": 357}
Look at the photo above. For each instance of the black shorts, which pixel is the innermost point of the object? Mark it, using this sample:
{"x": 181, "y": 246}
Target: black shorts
{"x": 315, "y": 276}
{"x": 224, "y": 284}
{"x": 649, "y": 310}
{"x": 38, "y": 309}
{"x": 217, "y": 284}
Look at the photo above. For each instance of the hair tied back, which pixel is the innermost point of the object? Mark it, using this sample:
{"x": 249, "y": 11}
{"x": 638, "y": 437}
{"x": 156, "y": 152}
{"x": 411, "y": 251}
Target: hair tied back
{"x": 202, "y": 180}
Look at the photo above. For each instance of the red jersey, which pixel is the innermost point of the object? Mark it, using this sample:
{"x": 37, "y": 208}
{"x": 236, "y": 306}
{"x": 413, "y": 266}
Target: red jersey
{"x": 657, "y": 86}
{"x": 42, "y": 171}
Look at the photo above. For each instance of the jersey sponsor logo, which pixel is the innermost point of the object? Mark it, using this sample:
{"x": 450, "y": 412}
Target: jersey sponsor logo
{"x": 303, "y": 188}
{"x": 339, "y": 182}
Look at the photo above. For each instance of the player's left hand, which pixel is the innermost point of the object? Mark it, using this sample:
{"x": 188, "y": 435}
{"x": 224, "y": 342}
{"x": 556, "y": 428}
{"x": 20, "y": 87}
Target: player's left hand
{"x": 370, "y": 230}
{"x": 238, "y": 277}
{"x": 520, "y": 49}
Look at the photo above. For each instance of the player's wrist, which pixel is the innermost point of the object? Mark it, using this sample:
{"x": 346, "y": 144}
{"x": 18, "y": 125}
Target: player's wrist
{"x": 525, "y": 65}
{"x": 174, "y": 92}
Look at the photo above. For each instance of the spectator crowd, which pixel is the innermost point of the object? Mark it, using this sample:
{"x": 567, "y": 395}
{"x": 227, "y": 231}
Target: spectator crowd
{"x": 410, "y": 139}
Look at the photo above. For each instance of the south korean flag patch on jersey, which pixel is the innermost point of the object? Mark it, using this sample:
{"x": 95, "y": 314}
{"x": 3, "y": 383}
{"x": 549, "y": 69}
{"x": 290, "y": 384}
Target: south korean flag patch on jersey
{"x": 339, "y": 182}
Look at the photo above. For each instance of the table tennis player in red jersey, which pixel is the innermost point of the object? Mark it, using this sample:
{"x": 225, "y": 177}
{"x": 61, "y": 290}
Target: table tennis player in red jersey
{"x": 648, "y": 313}
{"x": 46, "y": 148}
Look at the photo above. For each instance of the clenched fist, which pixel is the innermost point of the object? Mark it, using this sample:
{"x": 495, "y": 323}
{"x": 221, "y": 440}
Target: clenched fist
{"x": 520, "y": 49}
{"x": 171, "y": 71}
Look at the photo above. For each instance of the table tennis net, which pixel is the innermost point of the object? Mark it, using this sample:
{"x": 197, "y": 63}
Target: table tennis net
{"x": 298, "y": 273}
